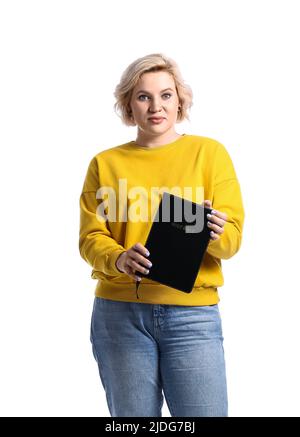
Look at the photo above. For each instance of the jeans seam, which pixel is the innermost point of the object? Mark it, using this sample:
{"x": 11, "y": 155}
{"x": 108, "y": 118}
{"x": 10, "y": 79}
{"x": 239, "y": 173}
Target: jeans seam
{"x": 100, "y": 365}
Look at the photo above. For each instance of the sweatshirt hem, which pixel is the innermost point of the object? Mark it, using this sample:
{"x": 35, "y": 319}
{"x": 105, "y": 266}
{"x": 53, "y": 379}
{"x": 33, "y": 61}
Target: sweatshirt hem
{"x": 157, "y": 294}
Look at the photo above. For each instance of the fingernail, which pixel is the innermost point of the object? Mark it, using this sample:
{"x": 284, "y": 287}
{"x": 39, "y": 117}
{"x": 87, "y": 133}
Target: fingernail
{"x": 214, "y": 211}
{"x": 209, "y": 216}
{"x": 147, "y": 253}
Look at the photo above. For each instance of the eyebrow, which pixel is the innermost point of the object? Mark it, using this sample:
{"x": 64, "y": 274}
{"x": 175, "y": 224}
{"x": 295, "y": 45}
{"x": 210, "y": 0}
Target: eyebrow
{"x": 144, "y": 91}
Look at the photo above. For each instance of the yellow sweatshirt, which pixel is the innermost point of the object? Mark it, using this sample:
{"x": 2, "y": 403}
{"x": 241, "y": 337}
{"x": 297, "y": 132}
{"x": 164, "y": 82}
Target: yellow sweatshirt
{"x": 133, "y": 178}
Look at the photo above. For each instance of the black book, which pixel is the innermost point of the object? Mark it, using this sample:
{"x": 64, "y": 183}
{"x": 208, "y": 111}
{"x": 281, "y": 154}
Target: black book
{"x": 177, "y": 241}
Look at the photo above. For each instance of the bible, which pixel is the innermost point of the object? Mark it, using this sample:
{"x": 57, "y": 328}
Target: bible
{"x": 177, "y": 241}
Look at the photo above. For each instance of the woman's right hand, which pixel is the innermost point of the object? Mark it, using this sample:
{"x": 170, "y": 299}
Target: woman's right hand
{"x": 134, "y": 260}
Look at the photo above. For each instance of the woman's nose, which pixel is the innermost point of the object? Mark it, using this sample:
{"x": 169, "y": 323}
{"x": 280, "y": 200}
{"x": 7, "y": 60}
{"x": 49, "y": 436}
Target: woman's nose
{"x": 154, "y": 107}
{"x": 155, "y": 103}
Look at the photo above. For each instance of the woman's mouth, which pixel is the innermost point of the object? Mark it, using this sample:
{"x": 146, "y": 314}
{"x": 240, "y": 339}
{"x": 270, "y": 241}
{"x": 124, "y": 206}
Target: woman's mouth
{"x": 156, "y": 120}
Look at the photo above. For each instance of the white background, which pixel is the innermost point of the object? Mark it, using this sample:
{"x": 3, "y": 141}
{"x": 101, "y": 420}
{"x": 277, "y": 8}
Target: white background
{"x": 60, "y": 63}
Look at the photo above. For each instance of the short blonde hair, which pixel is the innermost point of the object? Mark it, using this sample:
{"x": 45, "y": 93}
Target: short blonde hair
{"x": 132, "y": 74}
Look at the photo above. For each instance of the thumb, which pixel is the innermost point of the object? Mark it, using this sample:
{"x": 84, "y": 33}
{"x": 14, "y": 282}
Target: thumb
{"x": 207, "y": 203}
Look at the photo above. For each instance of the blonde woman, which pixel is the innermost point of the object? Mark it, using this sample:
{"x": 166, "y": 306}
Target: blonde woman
{"x": 162, "y": 342}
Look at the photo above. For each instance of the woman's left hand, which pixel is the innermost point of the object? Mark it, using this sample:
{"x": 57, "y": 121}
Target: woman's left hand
{"x": 215, "y": 222}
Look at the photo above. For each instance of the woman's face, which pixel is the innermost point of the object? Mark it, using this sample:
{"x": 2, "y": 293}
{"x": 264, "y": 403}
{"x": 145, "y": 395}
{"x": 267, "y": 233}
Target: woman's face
{"x": 155, "y": 96}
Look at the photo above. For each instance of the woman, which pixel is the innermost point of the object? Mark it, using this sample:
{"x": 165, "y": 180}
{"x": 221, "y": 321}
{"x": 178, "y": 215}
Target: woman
{"x": 167, "y": 341}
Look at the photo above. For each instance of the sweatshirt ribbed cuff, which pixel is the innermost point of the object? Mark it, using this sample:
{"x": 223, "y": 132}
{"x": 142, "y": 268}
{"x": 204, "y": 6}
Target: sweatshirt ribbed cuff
{"x": 111, "y": 261}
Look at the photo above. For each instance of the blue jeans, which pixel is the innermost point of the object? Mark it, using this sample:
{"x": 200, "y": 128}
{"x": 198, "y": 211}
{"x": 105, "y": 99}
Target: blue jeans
{"x": 143, "y": 350}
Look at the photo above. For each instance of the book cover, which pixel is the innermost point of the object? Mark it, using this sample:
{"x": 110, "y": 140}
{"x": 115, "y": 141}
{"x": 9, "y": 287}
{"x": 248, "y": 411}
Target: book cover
{"x": 177, "y": 241}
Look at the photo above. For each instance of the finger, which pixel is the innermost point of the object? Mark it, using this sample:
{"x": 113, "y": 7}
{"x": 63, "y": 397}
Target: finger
{"x": 214, "y": 236}
{"x": 219, "y": 214}
{"x": 207, "y": 203}
{"x": 138, "y": 258}
{"x": 137, "y": 267}
{"x": 215, "y": 228}
{"x": 131, "y": 272}
{"x": 135, "y": 276}
{"x": 141, "y": 249}
{"x": 214, "y": 219}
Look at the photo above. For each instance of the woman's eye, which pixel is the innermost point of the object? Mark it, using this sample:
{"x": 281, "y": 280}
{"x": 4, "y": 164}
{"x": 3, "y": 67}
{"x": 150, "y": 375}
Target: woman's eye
{"x": 144, "y": 95}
